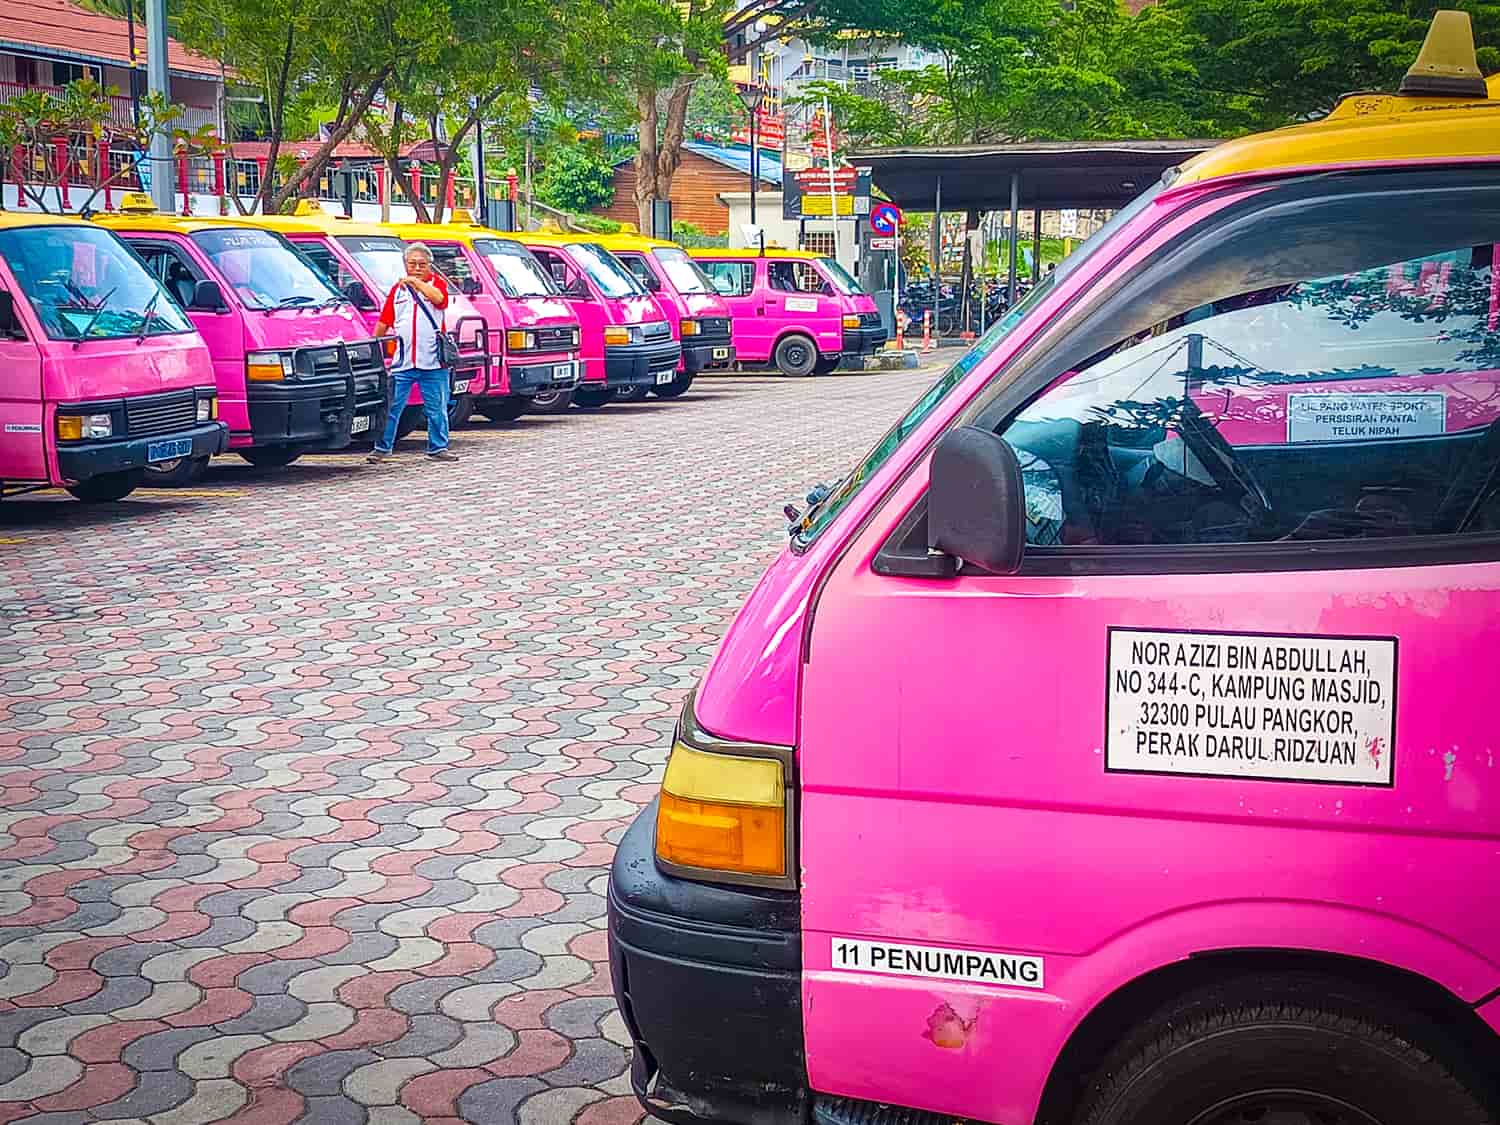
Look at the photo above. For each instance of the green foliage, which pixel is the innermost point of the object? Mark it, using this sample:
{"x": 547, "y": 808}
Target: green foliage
{"x": 598, "y": 224}
{"x": 714, "y": 109}
{"x": 686, "y": 234}
{"x": 577, "y": 178}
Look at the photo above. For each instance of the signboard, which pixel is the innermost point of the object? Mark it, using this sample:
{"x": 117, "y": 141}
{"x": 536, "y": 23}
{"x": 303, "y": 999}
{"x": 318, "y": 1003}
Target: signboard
{"x": 1067, "y": 224}
{"x": 885, "y": 218}
{"x": 805, "y": 194}
{"x": 1304, "y": 708}
{"x": 879, "y": 243}
{"x": 1364, "y": 417}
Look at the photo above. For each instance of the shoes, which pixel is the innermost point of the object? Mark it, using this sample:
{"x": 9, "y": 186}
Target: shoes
{"x": 443, "y": 455}
{"x": 378, "y": 456}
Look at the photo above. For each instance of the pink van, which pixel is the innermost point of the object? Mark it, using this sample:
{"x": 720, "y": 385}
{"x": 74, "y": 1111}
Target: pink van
{"x": 628, "y": 346}
{"x": 101, "y": 375}
{"x": 296, "y": 367}
{"x": 699, "y": 317}
{"x": 1088, "y": 759}
{"x": 799, "y": 312}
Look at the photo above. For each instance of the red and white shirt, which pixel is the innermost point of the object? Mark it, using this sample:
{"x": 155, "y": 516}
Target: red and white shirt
{"x": 415, "y": 332}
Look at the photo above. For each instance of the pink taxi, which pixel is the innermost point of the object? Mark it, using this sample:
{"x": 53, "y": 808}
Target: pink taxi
{"x": 799, "y": 312}
{"x": 101, "y": 375}
{"x": 1095, "y": 756}
{"x": 296, "y": 367}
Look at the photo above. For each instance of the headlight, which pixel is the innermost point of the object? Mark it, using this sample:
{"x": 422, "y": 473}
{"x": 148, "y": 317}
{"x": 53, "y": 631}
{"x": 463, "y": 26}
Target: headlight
{"x": 206, "y": 411}
{"x": 518, "y": 340}
{"x": 268, "y": 367}
{"x": 851, "y": 321}
{"x": 722, "y": 813}
{"x": 78, "y": 427}
{"x": 691, "y": 328}
{"x": 618, "y": 334}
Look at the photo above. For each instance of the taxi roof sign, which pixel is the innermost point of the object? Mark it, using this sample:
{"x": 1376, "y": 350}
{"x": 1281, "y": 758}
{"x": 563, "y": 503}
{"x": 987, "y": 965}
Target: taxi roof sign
{"x": 306, "y": 207}
{"x": 137, "y": 203}
{"x": 1447, "y": 63}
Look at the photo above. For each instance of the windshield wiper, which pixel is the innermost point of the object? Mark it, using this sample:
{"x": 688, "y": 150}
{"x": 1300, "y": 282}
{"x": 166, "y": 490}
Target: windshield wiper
{"x": 294, "y": 301}
{"x": 98, "y": 311}
{"x": 148, "y": 314}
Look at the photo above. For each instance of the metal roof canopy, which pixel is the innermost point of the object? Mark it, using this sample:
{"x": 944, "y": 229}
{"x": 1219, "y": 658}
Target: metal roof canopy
{"x": 1052, "y": 174}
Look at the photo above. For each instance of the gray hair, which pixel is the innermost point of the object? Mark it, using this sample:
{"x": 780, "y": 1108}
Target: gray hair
{"x": 420, "y": 249}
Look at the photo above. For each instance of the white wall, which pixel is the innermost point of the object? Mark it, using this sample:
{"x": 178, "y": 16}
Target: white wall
{"x": 779, "y": 231}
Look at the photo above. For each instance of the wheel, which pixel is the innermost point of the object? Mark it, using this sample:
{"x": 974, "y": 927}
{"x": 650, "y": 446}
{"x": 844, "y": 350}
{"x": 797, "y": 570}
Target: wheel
{"x": 506, "y": 409}
{"x": 631, "y": 394}
{"x": 592, "y": 399}
{"x": 551, "y": 402}
{"x": 107, "y": 486}
{"x": 460, "y": 407}
{"x": 175, "y": 473}
{"x": 796, "y": 356}
{"x": 826, "y": 364}
{"x": 675, "y": 389}
{"x": 1284, "y": 1050}
{"x": 270, "y": 456}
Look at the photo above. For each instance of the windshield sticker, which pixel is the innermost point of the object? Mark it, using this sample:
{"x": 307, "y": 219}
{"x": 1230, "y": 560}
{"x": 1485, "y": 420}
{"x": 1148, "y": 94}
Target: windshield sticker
{"x": 801, "y": 304}
{"x": 1363, "y": 417}
{"x": 982, "y": 966}
{"x": 1251, "y": 705}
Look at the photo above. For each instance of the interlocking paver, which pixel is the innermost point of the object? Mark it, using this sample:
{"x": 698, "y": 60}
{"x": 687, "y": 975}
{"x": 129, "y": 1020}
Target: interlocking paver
{"x": 312, "y": 787}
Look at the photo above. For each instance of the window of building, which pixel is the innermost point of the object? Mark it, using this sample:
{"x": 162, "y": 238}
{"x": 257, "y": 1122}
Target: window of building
{"x": 64, "y": 72}
{"x": 818, "y": 242}
{"x": 27, "y": 71}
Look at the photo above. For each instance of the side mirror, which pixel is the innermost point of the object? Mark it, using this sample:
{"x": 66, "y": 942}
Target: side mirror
{"x": 207, "y": 297}
{"x": 652, "y": 283}
{"x": 10, "y": 323}
{"x": 976, "y": 502}
{"x": 358, "y": 294}
{"x": 469, "y": 286}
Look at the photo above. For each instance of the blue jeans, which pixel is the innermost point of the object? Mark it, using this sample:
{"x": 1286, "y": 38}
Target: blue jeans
{"x": 435, "y": 396}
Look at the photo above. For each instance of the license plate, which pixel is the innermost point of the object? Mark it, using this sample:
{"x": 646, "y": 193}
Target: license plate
{"x": 664, "y": 377}
{"x": 562, "y": 372}
{"x": 360, "y": 425}
{"x": 168, "y": 450}
{"x": 460, "y": 386}
{"x": 721, "y": 353}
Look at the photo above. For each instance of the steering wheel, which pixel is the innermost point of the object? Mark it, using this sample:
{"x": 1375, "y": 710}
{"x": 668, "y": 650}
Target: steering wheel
{"x": 1221, "y": 461}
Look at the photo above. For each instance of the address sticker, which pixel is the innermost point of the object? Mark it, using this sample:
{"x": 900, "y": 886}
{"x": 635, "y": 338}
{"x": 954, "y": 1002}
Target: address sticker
{"x": 1279, "y": 707}
{"x": 1364, "y": 417}
{"x": 801, "y": 304}
{"x": 984, "y": 967}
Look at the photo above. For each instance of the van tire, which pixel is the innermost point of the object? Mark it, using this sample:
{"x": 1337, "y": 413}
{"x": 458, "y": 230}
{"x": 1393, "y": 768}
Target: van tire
{"x": 107, "y": 487}
{"x": 550, "y": 402}
{"x": 631, "y": 393}
{"x": 826, "y": 364}
{"x": 176, "y": 473}
{"x": 675, "y": 389}
{"x": 592, "y": 399}
{"x": 796, "y": 356}
{"x": 1260, "y": 1049}
{"x": 270, "y": 456}
{"x": 460, "y": 408}
{"x": 506, "y": 409}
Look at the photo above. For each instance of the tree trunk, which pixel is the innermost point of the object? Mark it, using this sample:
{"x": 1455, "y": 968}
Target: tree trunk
{"x": 645, "y": 157}
{"x": 350, "y": 115}
{"x": 669, "y": 158}
{"x": 278, "y": 122}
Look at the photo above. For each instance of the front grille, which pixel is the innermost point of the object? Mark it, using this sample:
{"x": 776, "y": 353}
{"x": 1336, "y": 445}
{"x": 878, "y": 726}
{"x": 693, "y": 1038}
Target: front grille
{"x": 869, "y": 320}
{"x": 364, "y": 359}
{"x": 656, "y": 330}
{"x": 560, "y": 338}
{"x": 149, "y": 415}
{"x": 714, "y": 326}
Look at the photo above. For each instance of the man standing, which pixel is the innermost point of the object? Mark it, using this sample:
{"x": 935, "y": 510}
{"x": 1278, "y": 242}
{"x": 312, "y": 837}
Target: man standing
{"x": 414, "y": 311}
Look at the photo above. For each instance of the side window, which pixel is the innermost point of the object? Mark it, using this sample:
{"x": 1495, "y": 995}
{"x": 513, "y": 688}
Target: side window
{"x": 796, "y": 277}
{"x": 171, "y": 267}
{"x": 327, "y": 262}
{"x": 1359, "y": 404}
{"x": 731, "y": 279}
{"x": 567, "y": 279}
{"x": 451, "y": 263}
{"x": 638, "y": 268}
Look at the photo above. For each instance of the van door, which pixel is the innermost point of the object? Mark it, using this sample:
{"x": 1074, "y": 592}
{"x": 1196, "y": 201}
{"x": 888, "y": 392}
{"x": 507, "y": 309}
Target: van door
{"x": 591, "y": 313}
{"x": 23, "y": 414}
{"x": 1236, "y": 696}
{"x": 735, "y": 281}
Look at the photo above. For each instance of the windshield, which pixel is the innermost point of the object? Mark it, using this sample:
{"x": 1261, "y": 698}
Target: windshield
{"x": 820, "y": 515}
{"x": 842, "y": 280}
{"x": 516, "y": 271}
{"x": 683, "y": 272}
{"x": 380, "y": 258}
{"x": 264, "y": 270}
{"x": 83, "y": 284}
{"x": 605, "y": 271}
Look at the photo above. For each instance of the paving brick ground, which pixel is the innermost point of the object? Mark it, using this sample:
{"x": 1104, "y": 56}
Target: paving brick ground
{"x": 309, "y": 781}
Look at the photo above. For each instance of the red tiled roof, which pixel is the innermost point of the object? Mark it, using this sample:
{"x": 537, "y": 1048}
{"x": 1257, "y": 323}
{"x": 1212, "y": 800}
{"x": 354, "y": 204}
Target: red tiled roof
{"x": 60, "y": 28}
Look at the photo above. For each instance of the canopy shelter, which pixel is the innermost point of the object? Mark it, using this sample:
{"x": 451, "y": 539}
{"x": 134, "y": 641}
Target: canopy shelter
{"x": 1037, "y": 175}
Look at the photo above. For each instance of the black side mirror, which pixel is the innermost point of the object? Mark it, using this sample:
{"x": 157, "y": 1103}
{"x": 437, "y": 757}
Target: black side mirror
{"x": 207, "y": 296}
{"x": 652, "y": 283}
{"x": 358, "y": 294}
{"x": 10, "y": 323}
{"x": 976, "y": 502}
{"x": 470, "y": 286}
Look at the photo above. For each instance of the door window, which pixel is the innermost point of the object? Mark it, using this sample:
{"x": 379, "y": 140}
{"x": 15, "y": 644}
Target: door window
{"x": 568, "y": 279}
{"x": 638, "y": 269}
{"x": 796, "y": 277}
{"x": 172, "y": 268}
{"x": 731, "y": 279}
{"x": 450, "y": 261}
{"x": 328, "y": 263}
{"x": 1346, "y": 404}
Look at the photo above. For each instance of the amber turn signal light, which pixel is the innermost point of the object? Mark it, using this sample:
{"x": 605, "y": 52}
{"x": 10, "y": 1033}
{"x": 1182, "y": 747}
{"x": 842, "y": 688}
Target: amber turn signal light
{"x": 722, "y": 812}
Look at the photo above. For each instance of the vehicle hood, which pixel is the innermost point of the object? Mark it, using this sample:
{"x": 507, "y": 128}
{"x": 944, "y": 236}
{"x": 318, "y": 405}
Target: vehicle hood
{"x": 116, "y": 368}
{"x": 298, "y": 328}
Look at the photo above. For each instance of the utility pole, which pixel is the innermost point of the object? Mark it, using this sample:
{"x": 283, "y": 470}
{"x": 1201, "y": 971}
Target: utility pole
{"x": 158, "y": 83}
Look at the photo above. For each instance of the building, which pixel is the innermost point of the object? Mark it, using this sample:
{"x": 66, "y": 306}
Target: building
{"x": 707, "y": 172}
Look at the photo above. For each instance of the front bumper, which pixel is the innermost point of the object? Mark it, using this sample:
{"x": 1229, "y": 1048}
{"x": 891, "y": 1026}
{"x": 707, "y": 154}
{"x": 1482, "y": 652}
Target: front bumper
{"x": 862, "y": 341}
{"x": 523, "y": 377}
{"x": 639, "y": 365}
{"x": 708, "y": 980}
{"x": 316, "y": 412}
{"x": 705, "y": 355}
{"x": 82, "y": 460}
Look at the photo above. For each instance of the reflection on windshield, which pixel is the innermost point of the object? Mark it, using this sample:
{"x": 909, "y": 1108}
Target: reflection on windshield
{"x": 380, "y": 258}
{"x": 264, "y": 270}
{"x": 612, "y": 279}
{"x": 684, "y": 273}
{"x": 516, "y": 271}
{"x": 841, "y": 278}
{"x": 83, "y": 284}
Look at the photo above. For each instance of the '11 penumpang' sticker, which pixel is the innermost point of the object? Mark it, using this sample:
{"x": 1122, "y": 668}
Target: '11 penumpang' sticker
{"x": 1277, "y": 707}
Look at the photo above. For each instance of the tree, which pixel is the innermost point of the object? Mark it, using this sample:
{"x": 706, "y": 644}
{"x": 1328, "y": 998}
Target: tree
{"x": 37, "y": 121}
{"x": 577, "y": 177}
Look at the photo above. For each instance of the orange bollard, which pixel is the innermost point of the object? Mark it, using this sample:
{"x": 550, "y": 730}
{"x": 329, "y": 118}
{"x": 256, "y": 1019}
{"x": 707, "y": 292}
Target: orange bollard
{"x": 927, "y": 344}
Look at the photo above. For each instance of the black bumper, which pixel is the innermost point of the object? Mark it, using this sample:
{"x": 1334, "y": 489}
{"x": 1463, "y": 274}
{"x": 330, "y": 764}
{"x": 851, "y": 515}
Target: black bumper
{"x": 316, "y": 413}
{"x": 708, "y": 979}
{"x": 699, "y": 355}
{"x": 862, "y": 341}
{"x": 538, "y": 378}
{"x": 95, "y": 458}
{"x": 638, "y": 365}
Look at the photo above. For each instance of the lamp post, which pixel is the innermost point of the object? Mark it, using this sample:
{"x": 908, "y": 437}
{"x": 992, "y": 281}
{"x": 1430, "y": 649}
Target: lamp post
{"x": 751, "y": 95}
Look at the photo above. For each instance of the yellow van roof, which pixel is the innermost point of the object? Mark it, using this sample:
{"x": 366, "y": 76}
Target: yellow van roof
{"x": 754, "y": 252}
{"x": 624, "y": 240}
{"x": 9, "y": 220}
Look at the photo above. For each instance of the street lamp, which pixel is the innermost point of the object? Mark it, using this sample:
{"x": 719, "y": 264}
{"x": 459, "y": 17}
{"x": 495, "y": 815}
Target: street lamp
{"x": 751, "y": 95}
